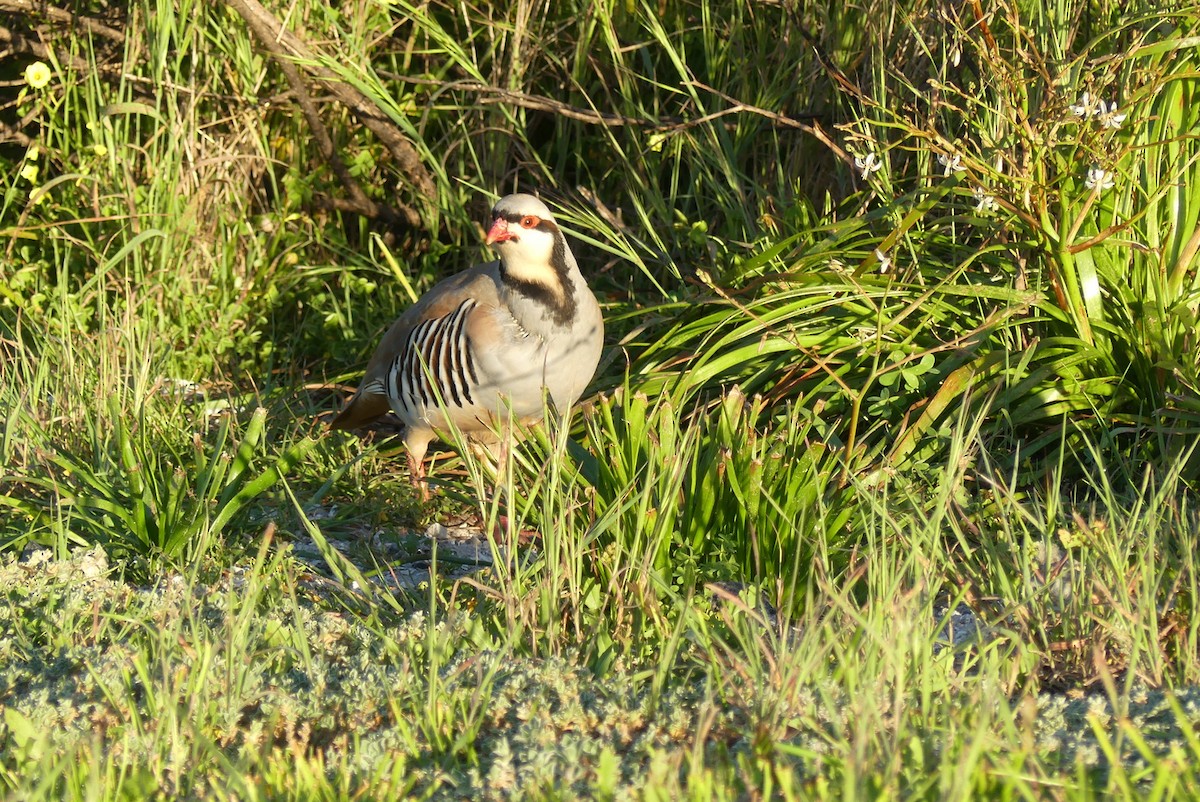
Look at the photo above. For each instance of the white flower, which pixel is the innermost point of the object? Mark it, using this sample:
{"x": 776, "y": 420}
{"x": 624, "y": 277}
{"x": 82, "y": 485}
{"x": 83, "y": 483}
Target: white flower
{"x": 983, "y": 201}
{"x": 1100, "y": 110}
{"x": 950, "y": 164}
{"x": 37, "y": 75}
{"x": 1108, "y": 115}
{"x": 1099, "y": 178}
{"x": 885, "y": 262}
{"x": 867, "y": 164}
{"x": 1084, "y": 107}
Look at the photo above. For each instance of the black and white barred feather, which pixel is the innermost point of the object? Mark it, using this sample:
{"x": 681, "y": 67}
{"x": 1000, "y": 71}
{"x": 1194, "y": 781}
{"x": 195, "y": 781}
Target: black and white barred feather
{"x": 436, "y": 365}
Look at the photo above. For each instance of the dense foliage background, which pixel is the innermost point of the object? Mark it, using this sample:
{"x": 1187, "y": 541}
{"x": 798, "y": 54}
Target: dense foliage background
{"x": 902, "y": 310}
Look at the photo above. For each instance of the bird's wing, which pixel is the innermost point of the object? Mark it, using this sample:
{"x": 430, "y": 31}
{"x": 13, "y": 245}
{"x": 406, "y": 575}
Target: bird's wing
{"x": 371, "y": 401}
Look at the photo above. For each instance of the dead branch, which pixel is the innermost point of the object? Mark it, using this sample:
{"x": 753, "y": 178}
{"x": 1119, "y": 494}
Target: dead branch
{"x": 10, "y": 134}
{"x": 19, "y": 43}
{"x": 358, "y": 202}
{"x": 285, "y": 46}
{"x": 490, "y": 95}
{"x": 59, "y": 15}
{"x": 814, "y": 129}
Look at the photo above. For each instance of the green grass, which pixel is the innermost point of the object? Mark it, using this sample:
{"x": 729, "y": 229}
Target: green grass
{"x": 838, "y": 401}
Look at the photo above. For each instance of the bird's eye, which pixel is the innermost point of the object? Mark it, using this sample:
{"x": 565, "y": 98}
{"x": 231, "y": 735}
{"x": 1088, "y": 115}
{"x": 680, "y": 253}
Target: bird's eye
{"x": 529, "y": 221}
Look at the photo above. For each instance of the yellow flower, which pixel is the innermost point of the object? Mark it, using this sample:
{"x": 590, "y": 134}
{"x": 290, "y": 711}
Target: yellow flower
{"x": 33, "y": 153}
{"x": 99, "y": 150}
{"x": 30, "y": 172}
{"x": 37, "y": 74}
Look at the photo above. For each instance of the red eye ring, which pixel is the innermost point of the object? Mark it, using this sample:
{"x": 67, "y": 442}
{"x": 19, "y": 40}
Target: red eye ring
{"x": 529, "y": 221}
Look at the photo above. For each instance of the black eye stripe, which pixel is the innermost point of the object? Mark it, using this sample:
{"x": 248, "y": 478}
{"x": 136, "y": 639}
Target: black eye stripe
{"x": 543, "y": 225}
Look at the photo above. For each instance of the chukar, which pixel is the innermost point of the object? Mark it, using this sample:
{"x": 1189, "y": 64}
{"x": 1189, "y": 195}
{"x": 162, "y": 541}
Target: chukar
{"x": 498, "y": 336}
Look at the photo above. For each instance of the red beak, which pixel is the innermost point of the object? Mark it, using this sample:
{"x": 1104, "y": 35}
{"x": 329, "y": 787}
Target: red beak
{"x": 499, "y": 232}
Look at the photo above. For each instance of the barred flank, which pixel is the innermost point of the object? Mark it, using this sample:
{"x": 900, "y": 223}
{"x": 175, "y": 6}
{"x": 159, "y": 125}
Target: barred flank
{"x": 436, "y": 361}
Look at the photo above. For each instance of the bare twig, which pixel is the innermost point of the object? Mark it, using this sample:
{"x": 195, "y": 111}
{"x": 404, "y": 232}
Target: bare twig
{"x": 10, "y": 134}
{"x": 494, "y": 94}
{"x": 358, "y": 202}
{"x": 27, "y": 44}
{"x": 54, "y": 14}
{"x": 281, "y": 42}
{"x": 814, "y": 129}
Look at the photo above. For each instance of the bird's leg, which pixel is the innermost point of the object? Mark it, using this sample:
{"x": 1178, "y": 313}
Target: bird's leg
{"x": 416, "y": 474}
{"x": 501, "y": 486}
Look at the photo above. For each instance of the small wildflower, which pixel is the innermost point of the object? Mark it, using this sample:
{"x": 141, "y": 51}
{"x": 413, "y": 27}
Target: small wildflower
{"x": 867, "y": 164}
{"x": 885, "y": 262}
{"x": 983, "y": 201}
{"x": 37, "y": 74}
{"x": 1109, "y": 117}
{"x": 1099, "y": 178}
{"x": 1084, "y": 107}
{"x": 950, "y": 164}
{"x": 30, "y": 172}
{"x": 33, "y": 153}
{"x": 99, "y": 150}
{"x": 1103, "y": 111}
{"x": 655, "y": 142}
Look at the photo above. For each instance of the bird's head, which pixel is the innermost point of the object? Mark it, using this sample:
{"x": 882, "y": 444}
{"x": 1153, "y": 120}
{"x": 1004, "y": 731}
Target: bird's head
{"x": 524, "y": 233}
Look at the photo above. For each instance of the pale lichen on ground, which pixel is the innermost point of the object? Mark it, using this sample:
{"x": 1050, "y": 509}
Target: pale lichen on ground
{"x": 82, "y": 653}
